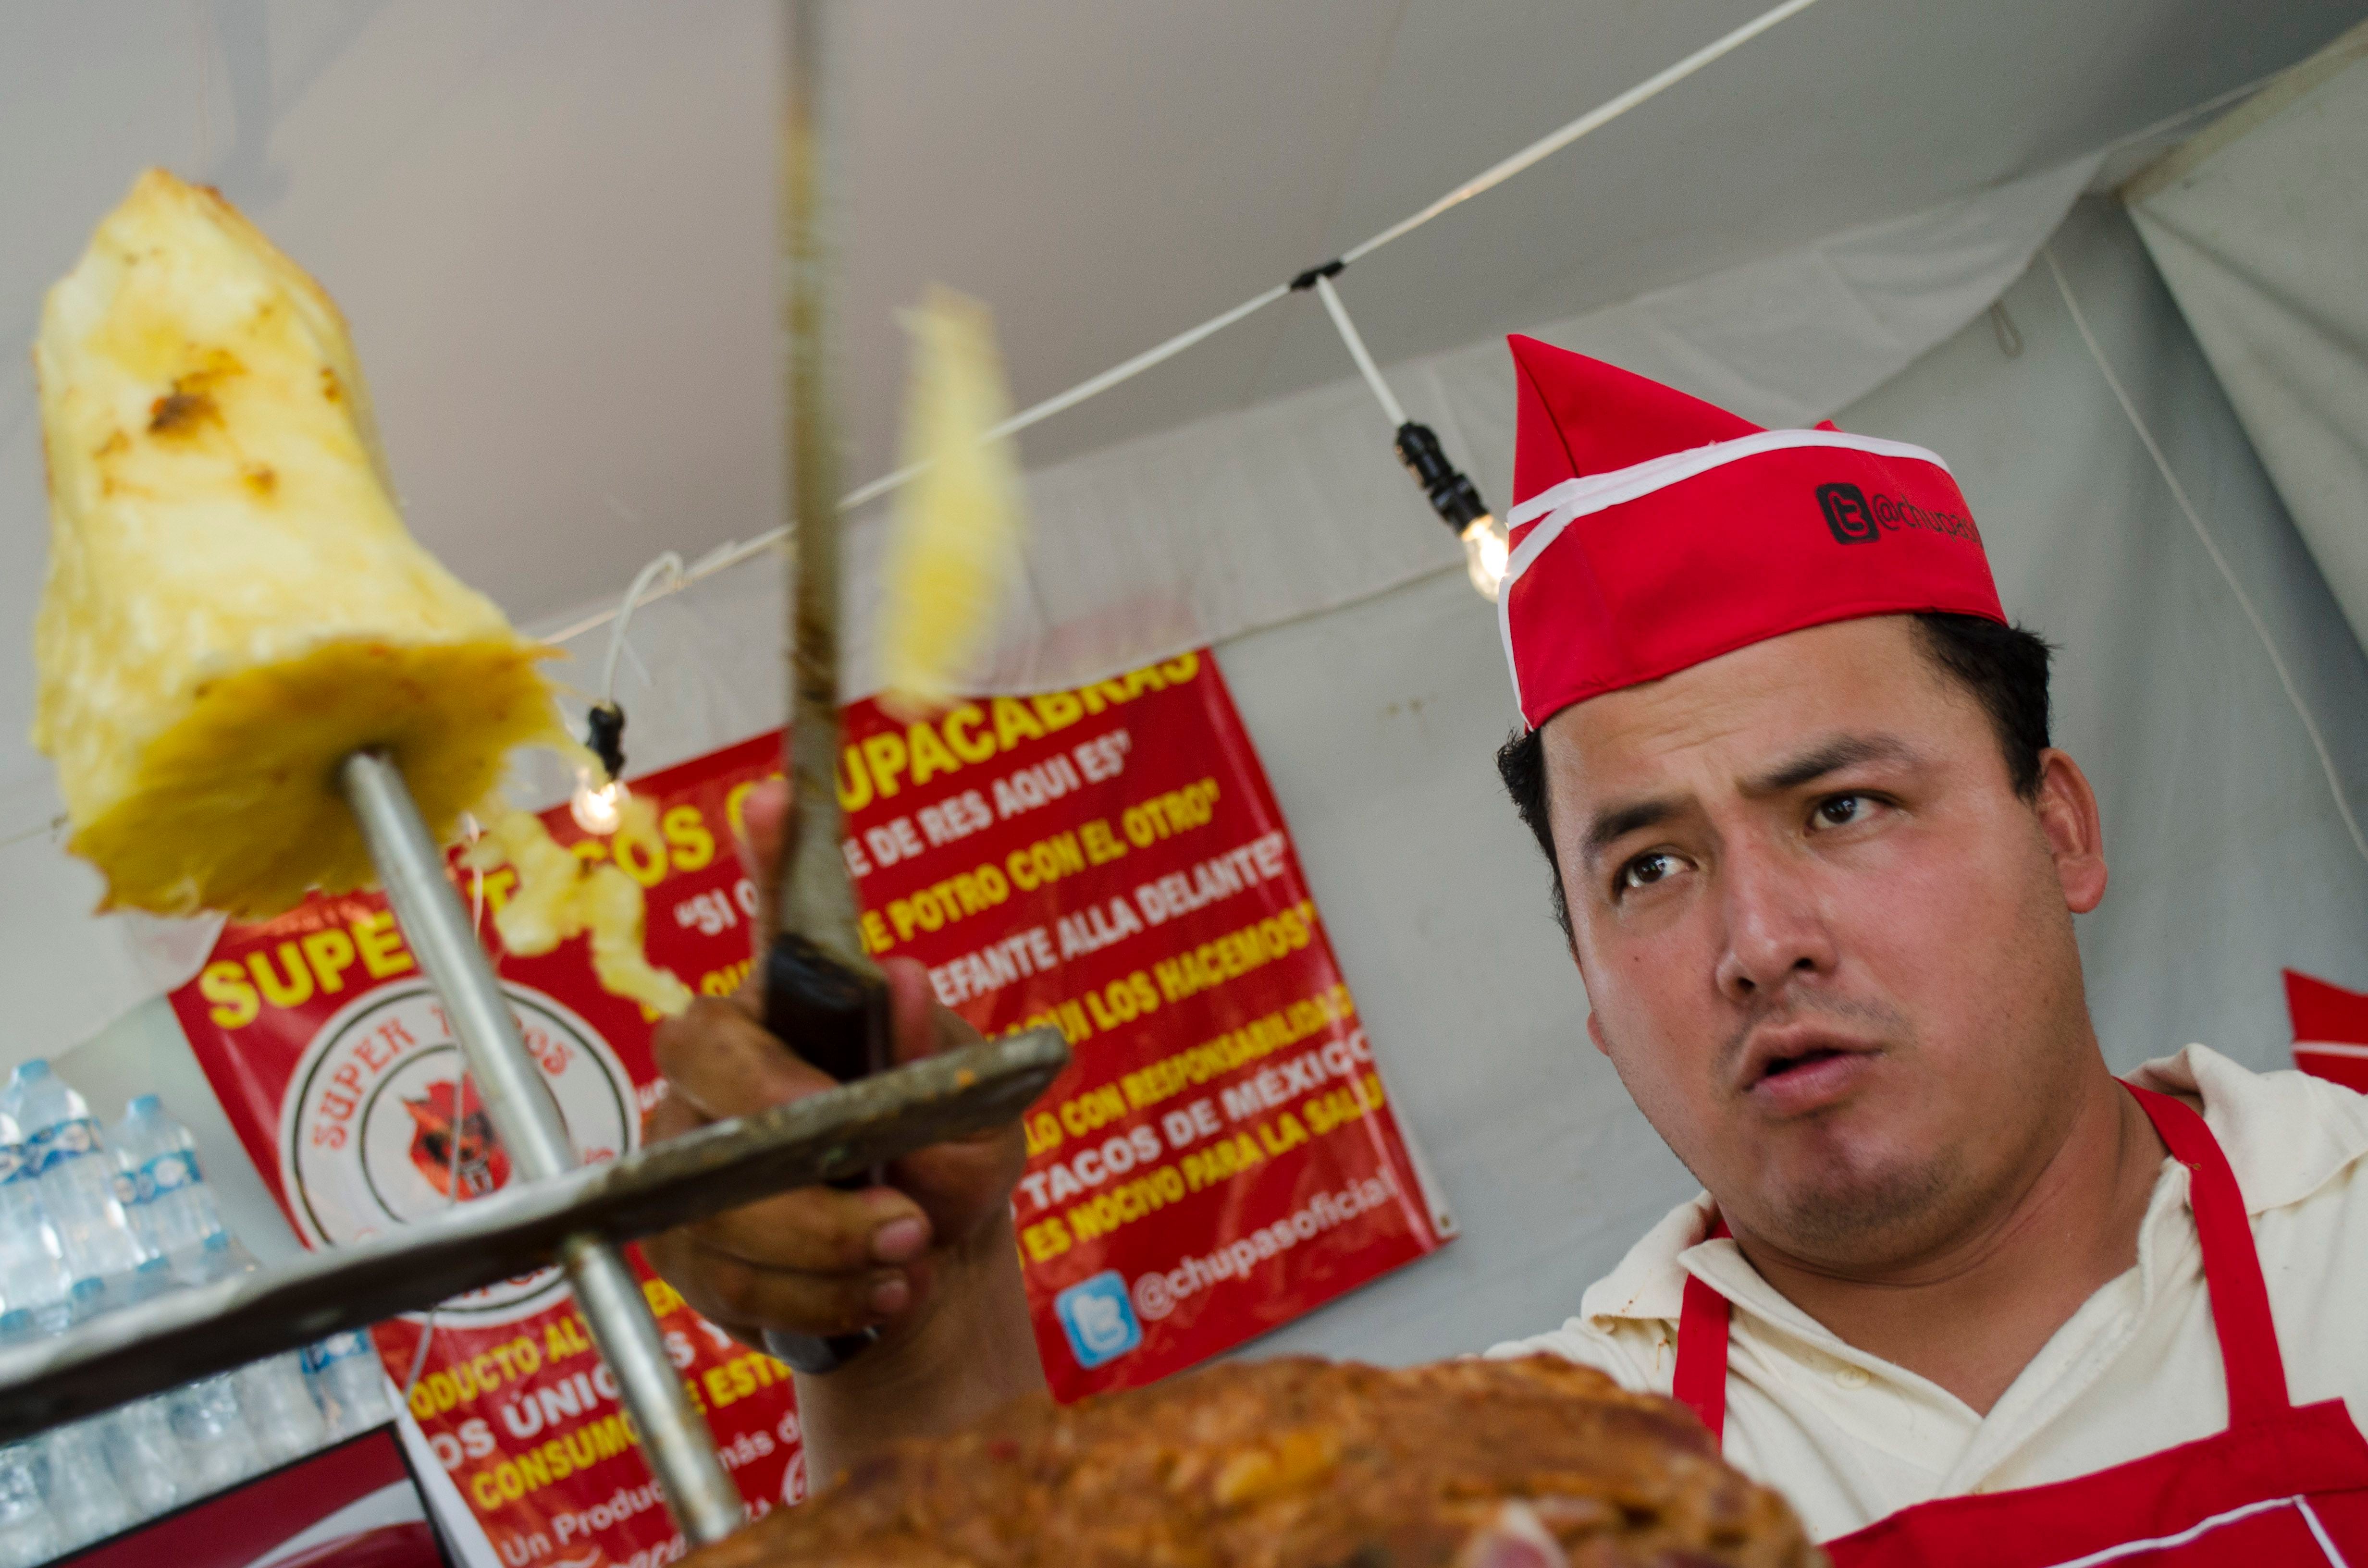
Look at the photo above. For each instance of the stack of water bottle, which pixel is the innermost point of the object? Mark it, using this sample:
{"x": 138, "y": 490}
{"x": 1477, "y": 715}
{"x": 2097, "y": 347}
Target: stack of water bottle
{"x": 90, "y": 1223}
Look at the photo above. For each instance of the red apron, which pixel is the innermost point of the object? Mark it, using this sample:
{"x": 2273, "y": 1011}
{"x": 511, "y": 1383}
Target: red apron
{"x": 2279, "y": 1485}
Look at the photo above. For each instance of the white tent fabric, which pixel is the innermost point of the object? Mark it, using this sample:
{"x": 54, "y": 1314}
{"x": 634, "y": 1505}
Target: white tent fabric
{"x": 2260, "y": 226}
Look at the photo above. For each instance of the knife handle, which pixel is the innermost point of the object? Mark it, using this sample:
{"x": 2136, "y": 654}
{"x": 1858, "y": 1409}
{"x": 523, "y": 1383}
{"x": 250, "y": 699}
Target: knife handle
{"x": 826, "y": 1012}
{"x": 838, "y": 1020}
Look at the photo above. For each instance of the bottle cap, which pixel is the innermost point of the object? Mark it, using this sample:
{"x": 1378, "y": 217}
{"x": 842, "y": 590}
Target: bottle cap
{"x": 32, "y": 1067}
{"x": 144, "y": 1105}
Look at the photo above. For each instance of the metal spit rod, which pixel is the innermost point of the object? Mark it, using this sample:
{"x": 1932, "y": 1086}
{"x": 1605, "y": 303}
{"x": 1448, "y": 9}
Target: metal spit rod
{"x": 675, "y": 1438}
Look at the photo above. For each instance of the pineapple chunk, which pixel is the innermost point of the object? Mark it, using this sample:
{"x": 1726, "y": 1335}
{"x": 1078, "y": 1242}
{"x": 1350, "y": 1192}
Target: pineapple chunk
{"x": 959, "y": 524}
{"x": 561, "y": 895}
{"x": 233, "y": 603}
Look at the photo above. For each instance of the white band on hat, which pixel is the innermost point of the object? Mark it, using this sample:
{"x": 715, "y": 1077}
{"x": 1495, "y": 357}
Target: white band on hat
{"x": 1560, "y": 504}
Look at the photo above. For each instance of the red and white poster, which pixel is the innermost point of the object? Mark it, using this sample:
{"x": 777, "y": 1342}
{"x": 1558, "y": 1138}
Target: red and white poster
{"x": 331, "y": 1054}
{"x": 1221, "y": 1157}
{"x": 2330, "y": 1030}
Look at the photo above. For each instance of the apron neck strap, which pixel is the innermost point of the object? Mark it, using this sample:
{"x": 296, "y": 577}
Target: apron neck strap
{"x": 1699, "y": 1380}
{"x": 2232, "y": 1269}
{"x": 2232, "y": 1272}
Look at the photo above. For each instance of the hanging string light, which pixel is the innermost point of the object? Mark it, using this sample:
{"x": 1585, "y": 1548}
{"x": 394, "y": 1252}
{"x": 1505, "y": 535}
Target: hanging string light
{"x": 599, "y": 803}
{"x": 1450, "y": 491}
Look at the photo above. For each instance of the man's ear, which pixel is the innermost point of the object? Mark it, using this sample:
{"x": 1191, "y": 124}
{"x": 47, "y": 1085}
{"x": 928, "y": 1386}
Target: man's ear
{"x": 1595, "y": 1033}
{"x": 2066, "y": 808}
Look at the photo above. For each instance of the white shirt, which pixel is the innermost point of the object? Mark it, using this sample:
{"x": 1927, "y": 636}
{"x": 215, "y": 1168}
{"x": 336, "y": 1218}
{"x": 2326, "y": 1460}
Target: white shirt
{"x": 1848, "y": 1437}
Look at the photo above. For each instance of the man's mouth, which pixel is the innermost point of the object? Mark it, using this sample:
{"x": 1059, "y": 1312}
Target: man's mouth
{"x": 1777, "y": 1066}
{"x": 1798, "y": 1069}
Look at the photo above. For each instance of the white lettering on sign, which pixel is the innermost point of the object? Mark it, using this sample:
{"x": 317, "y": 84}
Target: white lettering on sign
{"x": 955, "y": 817}
{"x": 893, "y": 841}
{"x": 1088, "y": 1168}
{"x": 1219, "y": 877}
{"x": 1282, "y": 1083}
{"x": 1103, "y": 757}
{"x": 995, "y": 966}
{"x": 1095, "y": 927}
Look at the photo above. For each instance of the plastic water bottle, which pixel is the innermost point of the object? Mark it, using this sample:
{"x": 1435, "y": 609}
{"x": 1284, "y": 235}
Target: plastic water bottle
{"x": 86, "y": 1502}
{"x": 145, "y": 1456}
{"x": 211, "y": 1431}
{"x": 34, "y": 1281}
{"x": 283, "y": 1419}
{"x": 74, "y": 1498}
{"x": 345, "y": 1373}
{"x": 96, "y": 1477}
{"x": 26, "y": 1534}
{"x": 164, "y": 1194}
{"x": 77, "y": 1179}
{"x": 175, "y": 1215}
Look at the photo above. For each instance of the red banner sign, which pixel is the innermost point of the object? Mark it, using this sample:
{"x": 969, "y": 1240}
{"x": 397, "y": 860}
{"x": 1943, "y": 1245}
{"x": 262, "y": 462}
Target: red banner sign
{"x": 1221, "y": 1157}
{"x": 331, "y": 1054}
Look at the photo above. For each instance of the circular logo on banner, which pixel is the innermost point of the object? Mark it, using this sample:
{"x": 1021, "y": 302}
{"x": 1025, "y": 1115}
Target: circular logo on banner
{"x": 381, "y": 1127}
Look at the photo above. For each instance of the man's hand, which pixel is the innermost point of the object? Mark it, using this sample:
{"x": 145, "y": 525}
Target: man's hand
{"x": 928, "y": 1259}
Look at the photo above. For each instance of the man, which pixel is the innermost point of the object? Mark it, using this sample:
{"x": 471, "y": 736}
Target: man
{"x": 1957, "y": 1292}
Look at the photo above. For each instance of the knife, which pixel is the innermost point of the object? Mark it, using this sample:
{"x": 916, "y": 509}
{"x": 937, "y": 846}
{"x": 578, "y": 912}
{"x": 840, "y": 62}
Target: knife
{"x": 823, "y": 993}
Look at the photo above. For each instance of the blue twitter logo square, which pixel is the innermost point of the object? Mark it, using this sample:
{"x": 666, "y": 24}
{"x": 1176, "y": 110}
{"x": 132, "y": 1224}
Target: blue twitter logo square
{"x": 1099, "y": 1319}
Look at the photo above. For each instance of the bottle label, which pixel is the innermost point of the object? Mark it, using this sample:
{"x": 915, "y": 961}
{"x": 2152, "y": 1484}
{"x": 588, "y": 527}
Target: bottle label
{"x": 339, "y": 1347}
{"x": 166, "y": 1174}
{"x": 64, "y": 1142}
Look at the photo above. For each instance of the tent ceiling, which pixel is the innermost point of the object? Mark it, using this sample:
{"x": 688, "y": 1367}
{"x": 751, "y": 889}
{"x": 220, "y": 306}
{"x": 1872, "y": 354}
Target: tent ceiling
{"x": 550, "y": 222}
{"x": 1107, "y": 176}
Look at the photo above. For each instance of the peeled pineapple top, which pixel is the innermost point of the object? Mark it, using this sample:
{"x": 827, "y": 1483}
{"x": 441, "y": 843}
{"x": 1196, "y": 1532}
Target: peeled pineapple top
{"x": 232, "y": 604}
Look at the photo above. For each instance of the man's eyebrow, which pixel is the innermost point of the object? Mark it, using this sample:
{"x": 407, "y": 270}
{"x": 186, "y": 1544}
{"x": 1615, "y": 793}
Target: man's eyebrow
{"x": 1615, "y": 822}
{"x": 1844, "y": 750}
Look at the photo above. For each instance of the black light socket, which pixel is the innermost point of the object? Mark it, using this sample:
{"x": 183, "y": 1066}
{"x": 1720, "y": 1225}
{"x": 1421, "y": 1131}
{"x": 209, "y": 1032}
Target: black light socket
{"x": 1454, "y": 497}
{"x": 604, "y": 732}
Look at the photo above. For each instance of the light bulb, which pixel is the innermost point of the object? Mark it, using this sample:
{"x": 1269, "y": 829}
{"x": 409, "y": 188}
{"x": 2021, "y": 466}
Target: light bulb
{"x": 597, "y": 808}
{"x": 1485, "y": 554}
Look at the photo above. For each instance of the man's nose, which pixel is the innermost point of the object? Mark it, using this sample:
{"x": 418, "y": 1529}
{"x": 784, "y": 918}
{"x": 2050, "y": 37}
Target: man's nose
{"x": 1776, "y": 931}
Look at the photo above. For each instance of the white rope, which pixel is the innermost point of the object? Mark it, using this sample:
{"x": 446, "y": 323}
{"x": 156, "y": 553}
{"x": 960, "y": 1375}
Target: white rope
{"x": 1547, "y": 146}
{"x": 669, "y": 566}
{"x": 1356, "y": 342}
{"x": 1496, "y": 175}
{"x": 2210, "y": 548}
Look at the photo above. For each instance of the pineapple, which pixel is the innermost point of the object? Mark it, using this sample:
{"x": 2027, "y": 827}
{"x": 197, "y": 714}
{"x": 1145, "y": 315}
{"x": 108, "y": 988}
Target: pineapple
{"x": 232, "y": 604}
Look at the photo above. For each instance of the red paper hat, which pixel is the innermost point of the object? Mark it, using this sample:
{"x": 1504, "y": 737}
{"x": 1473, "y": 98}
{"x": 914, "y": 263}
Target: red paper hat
{"x": 1651, "y": 531}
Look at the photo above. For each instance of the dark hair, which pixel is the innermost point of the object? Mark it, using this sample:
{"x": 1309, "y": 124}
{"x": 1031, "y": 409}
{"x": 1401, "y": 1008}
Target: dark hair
{"x": 2005, "y": 667}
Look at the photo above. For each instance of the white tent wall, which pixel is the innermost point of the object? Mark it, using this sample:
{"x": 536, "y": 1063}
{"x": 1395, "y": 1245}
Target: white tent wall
{"x": 1377, "y": 722}
{"x": 2259, "y": 226}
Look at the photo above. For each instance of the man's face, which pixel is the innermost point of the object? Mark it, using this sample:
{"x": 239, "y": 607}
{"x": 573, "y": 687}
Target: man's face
{"x": 1828, "y": 946}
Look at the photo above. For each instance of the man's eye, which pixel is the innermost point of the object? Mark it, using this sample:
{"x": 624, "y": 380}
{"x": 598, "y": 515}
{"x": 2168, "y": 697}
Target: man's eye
{"x": 1840, "y": 810}
{"x": 1647, "y": 869}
